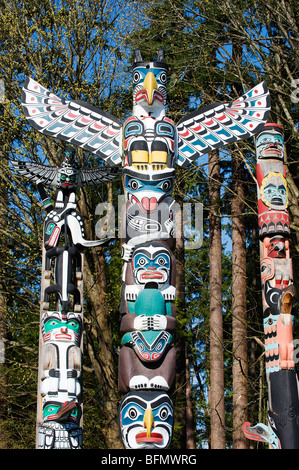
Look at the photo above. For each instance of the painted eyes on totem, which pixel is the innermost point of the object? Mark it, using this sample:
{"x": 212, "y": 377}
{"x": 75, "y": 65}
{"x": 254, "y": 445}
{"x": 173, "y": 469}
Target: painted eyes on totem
{"x": 165, "y": 185}
{"x": 269, "y": 190}
{"x": 161, "y": 261}
{"x": 63, "y": 177}
{"x": 164, "y": 413}
{"x": 269, "y": 140}
{"x": 133, "y": 413}
{"x": 142, "y": 261}
{"x": 73, "y": 325}
{"x": 136, "y": 77}
{"x": 134, "y": 185}
{"x": 161, "y": 77}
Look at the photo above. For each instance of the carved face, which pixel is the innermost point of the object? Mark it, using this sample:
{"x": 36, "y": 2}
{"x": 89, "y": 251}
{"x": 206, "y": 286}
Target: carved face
{"x": 273, "y": 191}
{"x": 149, "y": 80}
{"x": 57, "y": 327}
{"x": 270, "y": 144}
{"x": 147, "y": 193}
{"x": 146, "y": 420}
{"x": 61, "y": 412}
{"x": 276, "y": 247}
{"x": 67, "y": 178}
{"x": 267, "y": 268}
{"x": 149, "y": 144}
{"x": 149, "y": 83}
{"x": 151, "y": 264}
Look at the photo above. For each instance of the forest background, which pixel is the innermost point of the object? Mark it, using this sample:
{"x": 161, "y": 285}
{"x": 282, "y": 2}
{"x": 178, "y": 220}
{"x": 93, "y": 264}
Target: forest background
{"x": 215, "y": 52}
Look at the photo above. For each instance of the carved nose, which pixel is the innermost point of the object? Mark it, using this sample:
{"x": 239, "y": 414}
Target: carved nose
{"x": 148, "y": 421}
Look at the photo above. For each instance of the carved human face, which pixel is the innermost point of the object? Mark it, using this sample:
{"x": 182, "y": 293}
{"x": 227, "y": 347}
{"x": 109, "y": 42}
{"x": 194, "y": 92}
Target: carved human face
{"x": 57, "y": 327}
{"x": 273, "y": 191}
{"x": 151, "y": 263}
{"x": 270, "y": 144}
{"x": 146, "y": 420}
{"x": 67, "y": 178}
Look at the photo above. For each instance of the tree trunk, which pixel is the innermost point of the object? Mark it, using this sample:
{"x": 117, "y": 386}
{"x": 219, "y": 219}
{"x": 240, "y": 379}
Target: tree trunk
{"x": 190, "y": 443}
{"x": 216, "y": 395}
{"x": 3, "y": 293}
{"x": 3, "y": 436}
{"x": 239, "y": 313}
{"x": 100, "y": 345}
{"x": 180, "y": 341}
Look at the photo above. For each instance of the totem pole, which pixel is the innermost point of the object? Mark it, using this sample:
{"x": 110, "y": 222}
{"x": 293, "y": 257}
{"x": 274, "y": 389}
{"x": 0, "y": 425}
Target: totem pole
{"x": 282, "y": 431}
{"x": 59, "y": 397}
{"x": 148, "y": 146}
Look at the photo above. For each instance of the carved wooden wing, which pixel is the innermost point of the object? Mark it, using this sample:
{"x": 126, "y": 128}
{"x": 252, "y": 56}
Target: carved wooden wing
{"x": 35, "y": 172}
{"x": 49, "y": 175}
{"x": 220, "y": 124}
{"x": 74, "y": 121}
{"x": 95, "y": 176}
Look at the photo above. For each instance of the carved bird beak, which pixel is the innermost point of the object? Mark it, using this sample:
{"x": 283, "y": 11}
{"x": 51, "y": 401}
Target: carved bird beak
{"x": 150, "y": 85}
{"x": 148, "y": 421}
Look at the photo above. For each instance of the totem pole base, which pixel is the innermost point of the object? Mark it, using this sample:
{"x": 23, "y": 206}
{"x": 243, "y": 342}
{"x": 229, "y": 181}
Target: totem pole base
{"x": 284, "y": 407}
{"x": 59, "y": 436}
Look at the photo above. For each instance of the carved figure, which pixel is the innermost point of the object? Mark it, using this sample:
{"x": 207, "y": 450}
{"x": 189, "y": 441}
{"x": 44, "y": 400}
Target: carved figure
{"x": 59, "y": 404}
{"x": 282, "y": 429}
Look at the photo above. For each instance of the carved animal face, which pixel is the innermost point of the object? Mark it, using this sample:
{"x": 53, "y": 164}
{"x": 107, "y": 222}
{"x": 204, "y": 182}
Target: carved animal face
{"x": 146, "y": 420}
{"x": 147, "y": 192}
{"x": 149, "y": 80}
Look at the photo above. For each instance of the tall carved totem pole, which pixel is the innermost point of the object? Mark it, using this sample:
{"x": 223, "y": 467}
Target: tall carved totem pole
{"x": 148, "y": 147}
{"x": 59, "y": 397}
{"x": 282, "y": 431}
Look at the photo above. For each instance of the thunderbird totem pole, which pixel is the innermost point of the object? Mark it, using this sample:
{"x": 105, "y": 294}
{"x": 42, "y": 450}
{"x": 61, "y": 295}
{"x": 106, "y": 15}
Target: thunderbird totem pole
{"x": 282, "y": 431}
{"x": 59, "y": 403}
{"x": 147, "y": 146}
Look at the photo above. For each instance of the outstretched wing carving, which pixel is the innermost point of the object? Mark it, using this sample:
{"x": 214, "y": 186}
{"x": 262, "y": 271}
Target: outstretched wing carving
{"x": 36, "y": 172}
{"x": 49, "y": 175}
{"x": 73, "y": 121}
{"x": 222, "y": 123}
{"x": 95, "y": 176}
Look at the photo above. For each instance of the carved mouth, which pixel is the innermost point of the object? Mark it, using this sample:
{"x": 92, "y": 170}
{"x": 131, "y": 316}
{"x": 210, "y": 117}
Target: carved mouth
{"x": 272, "y": 151}
{"x": 277, "y": 200}
{"x": 152, "y": 275}
{"x": 155, "y": 437}
{"x": 63, "y": 336}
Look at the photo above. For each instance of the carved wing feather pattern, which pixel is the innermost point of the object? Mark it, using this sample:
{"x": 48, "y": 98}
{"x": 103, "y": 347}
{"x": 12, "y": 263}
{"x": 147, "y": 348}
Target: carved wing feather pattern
{"x": 36, "y": 172}
{"x": 220, "y": 124}
{"x": 95, "y": 176}
{"x": 74, "y": 121}
{"x": 49, "y": 175}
